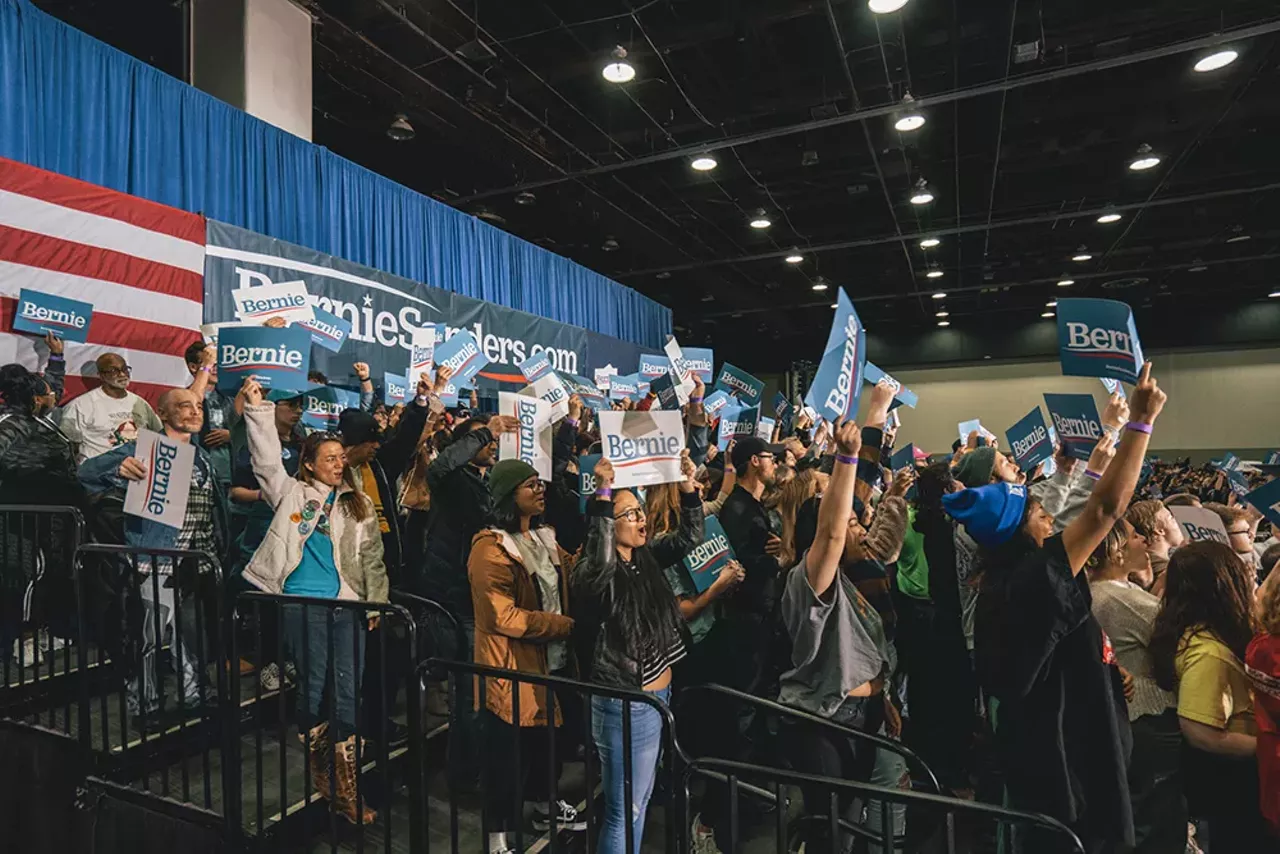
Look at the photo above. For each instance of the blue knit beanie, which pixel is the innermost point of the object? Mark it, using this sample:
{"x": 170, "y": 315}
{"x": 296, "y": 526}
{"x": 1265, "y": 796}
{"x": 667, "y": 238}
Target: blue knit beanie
{"x": 990, "y": 514}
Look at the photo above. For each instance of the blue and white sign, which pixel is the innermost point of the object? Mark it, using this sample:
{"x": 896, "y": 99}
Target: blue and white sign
{"x": 717, "y": 401}
{"x": 327, "y": 329}
{"x": 422, "y": 355}
{"x": 740, "y": 384}
{"x": 278, "y": 359}
{"x": 288, "y": 301}
{"x": 970, "y": 426}
{"x": 584, "y": 389}
{"x": 903, "y": 458}
{"x": 653, "y": 366}
{"x": 783, "y": 411}
{"x": 699, "y": 361}
{"x": 624, "y": 387}
{"x": 548, "y": 387}
{"x": 161, "y": 496}
{"x": 531, "y": 442}
{"x": 902, "y": 396}
{"x": 321, "y": 407}
{"x": 1267, "y": 499}
{"x": 765, "y": 428}
{"x": 1098, "y": 338}
{"x": 395, "y": 388}
{"x": 736, "y": 422}
{"x": 709, "y": 557}
{"x": 462, "y": 353}
{"x": 1201, "y": 525}
{"x": 1075, "y": 417}
{"x": 587, "y": 479}
{"x": 644, "y": 447}
{"x": 1029, "y": 440}
{"x": 536, "y": 367}
{"x": 1113, "y": 386}
{"x": 665, "y": 389}
{"x": 38, "y": 313}
{"x": 837, "y": 386}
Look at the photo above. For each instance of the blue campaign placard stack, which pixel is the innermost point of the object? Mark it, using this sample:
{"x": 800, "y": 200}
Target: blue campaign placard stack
{"x": 1075, "y": 416}
{"x": 1029, "y": 440}
{"x": 711, "y": 556}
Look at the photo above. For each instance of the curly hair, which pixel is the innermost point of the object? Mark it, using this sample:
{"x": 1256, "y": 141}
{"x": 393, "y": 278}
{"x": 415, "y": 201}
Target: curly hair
{"x": 1111, "y": 549}
{"x": 1207, "y": 590}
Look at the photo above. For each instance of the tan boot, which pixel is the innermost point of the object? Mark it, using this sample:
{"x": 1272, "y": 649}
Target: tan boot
{"x": 347, "y": 772}
{"x": 319, "y": 759}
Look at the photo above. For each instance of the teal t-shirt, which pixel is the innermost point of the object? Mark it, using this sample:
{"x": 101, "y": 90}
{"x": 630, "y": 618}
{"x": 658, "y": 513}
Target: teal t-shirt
{"x": 317, "y": 572}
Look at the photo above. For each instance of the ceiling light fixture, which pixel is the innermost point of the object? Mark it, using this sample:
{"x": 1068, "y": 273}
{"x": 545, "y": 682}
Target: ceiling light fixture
{"x": 929, "y": 242}
{"x": 524, "y": 198}
{"x": 819, "y": 284}
{"x": 1065, "y": 283}
{"x": 809, "y": 157}
{"x": 933, "y": 274}
{"x": 760, "y": 219}
{"x": 1108, "y": 218}
{"x": 794, "y": 258}
{"x": 400, "y": 130}
{"x": 610, "y": 244}
{"x": 1047, "y": 314}
{"x": 1145, "y": 159}
{"x": 1216, "y": 60}
{"x": 921, "y": 194}
{"x": 910, "y": 118}
{"x": 884, "y": 7}
{"x": 944, "y": 322}
{"x": 1239, "y": 238}
{"x": 1053, "y": 303}
{"x": 703, "y": 163}
{"x": 1274, "y": 294}
{"x": 942, "y": 314}
{"x": 1199, "y": 268}
{"x": 837, "y": 305}
{"x": 619, "y": 71}
{"x": 1082, "y": 254}
{"x": 940, "y": 295}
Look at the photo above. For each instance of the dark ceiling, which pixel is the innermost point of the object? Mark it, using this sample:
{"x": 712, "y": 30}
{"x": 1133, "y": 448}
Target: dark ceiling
{"x": 1033, "y": 112}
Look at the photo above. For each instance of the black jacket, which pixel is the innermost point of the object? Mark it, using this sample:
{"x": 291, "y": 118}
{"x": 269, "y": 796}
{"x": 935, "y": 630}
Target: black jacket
{"x": 563, "y": 498}
{"x": 746, "y": 523}
{"x": 460, "y": 503}
{"x": 387, "y": 466}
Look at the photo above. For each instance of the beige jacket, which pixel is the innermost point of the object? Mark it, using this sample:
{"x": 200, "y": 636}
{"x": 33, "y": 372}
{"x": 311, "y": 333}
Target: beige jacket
{"x": 357, "y": 546}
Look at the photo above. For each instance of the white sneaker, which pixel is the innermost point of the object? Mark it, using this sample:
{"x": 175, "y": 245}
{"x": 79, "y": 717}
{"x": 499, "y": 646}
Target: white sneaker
{"x": 566, "y": 817}
{"x": 704, "y": 839}
{"x": 290, "y": 673}
{"x": 269, "y": 677}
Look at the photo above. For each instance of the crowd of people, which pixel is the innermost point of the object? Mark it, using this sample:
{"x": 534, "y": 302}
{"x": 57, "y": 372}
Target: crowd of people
{"x": 1052, "y": 643}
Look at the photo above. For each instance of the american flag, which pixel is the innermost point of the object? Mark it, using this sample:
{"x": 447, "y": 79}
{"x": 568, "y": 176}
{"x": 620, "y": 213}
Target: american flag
{"x": 139, "y": 263}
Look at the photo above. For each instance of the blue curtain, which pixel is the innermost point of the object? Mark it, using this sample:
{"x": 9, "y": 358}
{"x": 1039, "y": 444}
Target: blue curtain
{"x": 70, "y": 104}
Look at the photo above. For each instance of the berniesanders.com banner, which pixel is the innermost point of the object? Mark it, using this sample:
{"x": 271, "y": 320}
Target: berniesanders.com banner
{"x": 383, "y": 309}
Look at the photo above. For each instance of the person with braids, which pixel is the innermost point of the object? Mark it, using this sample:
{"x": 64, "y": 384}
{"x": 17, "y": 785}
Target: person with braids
{"x": 1198, "y": 650}
{"x": 628, "y": 633}
{"x": 1262, "y": 663}
{"x": 1061, "y": 725}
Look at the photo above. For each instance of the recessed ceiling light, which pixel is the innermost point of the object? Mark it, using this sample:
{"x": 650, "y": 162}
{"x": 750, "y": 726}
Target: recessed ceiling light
{"x": 1108, "y": 218}
{"x": 1199, "y": 268}
{"x": 760, "y": 220}
{"x": 1047, "y": 314}
{"x": 1052, "y": 303}
{"x": 1214, "y": 61}
{"x": 794, "y": 258}
{"x": 703, "y": 163}
{"x": 940, "y": 295}
{"x": 884, "y": 7}
{"x": 1081, "y": 256}
{"x": 942, "y": 314}
{"x": 933, "y": 274}
{"x": 944, "y": 322}
{"x": 1063, "y": 283}
{"x": 819, "y": 285}
{"x": 1239, "y": 238}
{"x": 619, "y": 71}
{"x": 1145, "y": 159}
{"x": 929, "y": 242}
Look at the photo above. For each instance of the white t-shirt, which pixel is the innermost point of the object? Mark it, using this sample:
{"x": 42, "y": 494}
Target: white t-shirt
{"x": 100, "y": 422}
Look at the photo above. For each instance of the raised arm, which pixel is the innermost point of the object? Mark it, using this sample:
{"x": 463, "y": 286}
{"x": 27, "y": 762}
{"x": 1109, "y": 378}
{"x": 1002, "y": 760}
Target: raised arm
{"x": 264, "y": 445}
{"x": 598, "y": 561}
{"x": 671, "y": 547}
{"x": 1111, "y": 496}
{"x": 366, "y": 386}
{"x": 823, "y": 561}
{"x": 55, "y": 370}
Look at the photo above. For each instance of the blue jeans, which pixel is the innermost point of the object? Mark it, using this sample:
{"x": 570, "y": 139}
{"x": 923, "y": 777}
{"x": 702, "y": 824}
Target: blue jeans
{"x": 646, "y": 747}
{"x": 308, "y": 644}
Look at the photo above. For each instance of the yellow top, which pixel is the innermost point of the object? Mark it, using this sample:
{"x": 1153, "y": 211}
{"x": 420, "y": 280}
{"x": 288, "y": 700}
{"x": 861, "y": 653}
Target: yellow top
{"x": 1213, "y": 688}
{"x": 370, "y": 486}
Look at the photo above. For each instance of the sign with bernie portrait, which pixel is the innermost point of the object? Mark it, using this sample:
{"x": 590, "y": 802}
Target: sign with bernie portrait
{"x": 709, "y": 557}
{"x": 644, "y": 447}
{"x": 39, "y": 313}
{"x": 1029, "y": 440}
{"x": 1098, "y": 338}
{"x": 277, "y": 359}
{"x": 1075, "y": 417}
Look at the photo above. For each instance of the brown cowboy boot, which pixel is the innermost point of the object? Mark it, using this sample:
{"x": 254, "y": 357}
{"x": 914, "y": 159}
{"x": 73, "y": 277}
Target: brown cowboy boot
{"x": 319, "y": 759}
{"x": 345, "y": 802}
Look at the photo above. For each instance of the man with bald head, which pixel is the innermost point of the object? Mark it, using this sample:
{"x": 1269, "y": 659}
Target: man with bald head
{"x": 109, "y": 415}
{"x": 181, "y": 415}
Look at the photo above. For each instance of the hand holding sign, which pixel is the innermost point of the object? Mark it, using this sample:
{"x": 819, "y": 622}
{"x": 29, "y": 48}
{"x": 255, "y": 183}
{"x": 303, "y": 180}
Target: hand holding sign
{"x": 730, "y": 577}
{"x": 500, "y": 424}
{"x": 604, "y": 474}
{"x": 252, "y": 391}
{"x": 881, "y": 397}
{"x": 1117, "y": 412}
{"x": 54, "y": 343}
{"x": 132, "y": 468}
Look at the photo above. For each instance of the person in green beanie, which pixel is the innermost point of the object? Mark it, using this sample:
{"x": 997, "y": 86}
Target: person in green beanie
{"x": 520, "y": 594}
{"x": 985, "y": 465}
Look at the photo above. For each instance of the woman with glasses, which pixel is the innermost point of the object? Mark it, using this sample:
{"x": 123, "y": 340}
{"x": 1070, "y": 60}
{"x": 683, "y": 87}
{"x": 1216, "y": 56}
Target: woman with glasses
{"x": 520, "y": 595}
{"x": 628, "y": 634}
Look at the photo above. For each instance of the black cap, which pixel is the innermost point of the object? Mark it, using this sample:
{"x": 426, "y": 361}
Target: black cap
{"x": 745, "y": 449}
{"x": 357, "y": 427}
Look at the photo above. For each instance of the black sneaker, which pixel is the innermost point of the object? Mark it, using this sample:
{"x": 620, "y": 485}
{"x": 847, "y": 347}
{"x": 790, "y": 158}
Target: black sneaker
{"x": 566, "y": 817}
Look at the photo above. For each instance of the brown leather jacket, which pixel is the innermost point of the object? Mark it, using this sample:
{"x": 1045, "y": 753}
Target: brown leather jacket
{"x": 512, "y": 629}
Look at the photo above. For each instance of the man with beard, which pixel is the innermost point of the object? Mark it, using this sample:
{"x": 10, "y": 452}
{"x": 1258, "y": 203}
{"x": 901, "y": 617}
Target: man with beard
{"x": 109, "y": 415}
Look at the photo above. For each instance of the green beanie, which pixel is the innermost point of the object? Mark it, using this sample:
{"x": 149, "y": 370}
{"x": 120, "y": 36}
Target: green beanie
{"x": 976, "y": 466}
{"x": 506, "y": 476}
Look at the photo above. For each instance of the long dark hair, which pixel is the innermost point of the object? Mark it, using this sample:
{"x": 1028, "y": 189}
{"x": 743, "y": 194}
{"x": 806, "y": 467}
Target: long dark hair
{"x": 932, "y": 483}
{"x": 506, "y": 515}
{"x": 19, "y": 388}
{"x": 642, "y": 606}
{"x": 1207, "y": 589}
{"x": 353, "y": 502}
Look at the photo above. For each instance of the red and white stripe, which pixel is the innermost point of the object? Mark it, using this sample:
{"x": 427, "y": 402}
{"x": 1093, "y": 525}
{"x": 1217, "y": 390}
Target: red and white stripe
{"x": 139, "y": 263}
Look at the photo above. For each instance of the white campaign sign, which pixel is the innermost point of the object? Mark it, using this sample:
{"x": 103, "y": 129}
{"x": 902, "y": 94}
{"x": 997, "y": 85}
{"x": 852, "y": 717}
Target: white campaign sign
{"x": 532, "y": 442}
{"x": 644, "y": 447}
{"x": 602, "y": 376}
{"x": 550, "y": 388}
{"x": 422, "y": 356}
{"x": 1200, "y": 525}
{"x": 684, "y": 377}
{"x": 161, "y": 496}
{"x": 289, "y": 300}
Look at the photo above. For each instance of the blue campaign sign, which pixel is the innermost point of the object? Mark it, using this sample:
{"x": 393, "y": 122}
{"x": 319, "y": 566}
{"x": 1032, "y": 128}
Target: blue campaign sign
{"x": 740, "y": 384}
{"x": 38, "y": 313}
{"x": 1029, "y": 440}
{"x": 395, "y": 388}
{"x": 736, "y": 422}
{"x": 327, "y": 330}
{"x": 784, "y": 412}
{"x": 277, "y": 359}
{"x": 322, "y": 406}
{"x": 665, "y": 388}
{"x": 584, "y": 389}
{"x": 903, "y": 458}
{"x": 1113, "y": 386}
{"x": 902, "y": 396}
{"x": 717, "y": 401}
{"x": 624, "y": 387}
{"x": 653, "y": 366}
{"x": 837, "y": 385}
{"x": 701, "y": 361}
{"x": 462, "y": 353}
{"x": 1075, "y": 416}
{"x": 536, "y": 366}
{"x": 708, "y": 558}
{"x": 586, "y": 479}
{"x": 1098, "y": 338}
{"x": 1267, "y": 499}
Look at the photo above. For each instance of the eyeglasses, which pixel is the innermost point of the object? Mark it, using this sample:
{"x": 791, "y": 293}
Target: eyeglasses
{"x": 1243, "y": 533}
{"x": 111, "y": 372}
{"x": 533, "y": 484}
{"x": 635, "y": 514}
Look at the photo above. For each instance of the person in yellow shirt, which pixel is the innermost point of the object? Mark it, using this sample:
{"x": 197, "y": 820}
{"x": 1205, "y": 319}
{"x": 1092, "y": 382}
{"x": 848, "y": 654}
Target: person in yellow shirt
{"x": 1197, "y": 650}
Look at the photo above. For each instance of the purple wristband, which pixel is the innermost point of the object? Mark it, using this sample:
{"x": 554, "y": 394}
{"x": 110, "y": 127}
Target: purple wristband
{"x": 604, "y": 492}
{"x": 695, "y": 400}
{"x": 1139, "y": 427}
{"x": 1092, "y": 474}
{"x": 573, "y": 422}
{"x": 849, "y": 461}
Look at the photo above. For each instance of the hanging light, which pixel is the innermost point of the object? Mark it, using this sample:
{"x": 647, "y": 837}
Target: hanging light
{"x": 819, "y": 284}
{"x": 400, "y": 129}
{"x": 1082, "y": 254}
{"x": 944, "y": 322}
{"x": 939, "y": 295}
{"x": 837, "y": 305}
{"x": 1066, "y": 283}
{"x": 1274, "y": 294}
{"x": 619, "y": 71}
{"x": 1145, "y": 159}
{"x": 1109, "y": 217}
{"x": 524, "y": 198}
{"x": 1047, "y": 314}
{"x": 884, "y": 7}
{"x": 1053, "y": 303}
{"x": 929, "y": 242}
{"x": 933, "y": 274}
{"x": 703, "y": 163}
{"x": 760, "y": 219}
{"x": 921, "y": 194}
{"x": 1216, "y": 60}
{"x": 942, "y": 314}
{"x": 794, "y": 258}
{"x": 610, "y": 244}
{"x": 909, "y": 118}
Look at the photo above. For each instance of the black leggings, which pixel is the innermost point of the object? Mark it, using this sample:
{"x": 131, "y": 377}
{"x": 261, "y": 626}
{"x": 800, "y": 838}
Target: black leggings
{"x": 502, "y": 783}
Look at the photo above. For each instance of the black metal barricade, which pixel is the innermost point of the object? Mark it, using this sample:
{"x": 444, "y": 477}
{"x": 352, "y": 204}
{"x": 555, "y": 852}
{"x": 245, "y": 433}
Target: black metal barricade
{"x": 822, "y": 822}
{"x": 564, "y": 694}
{"x": 37, "y": 612}
{"x": 326, "y": 737}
